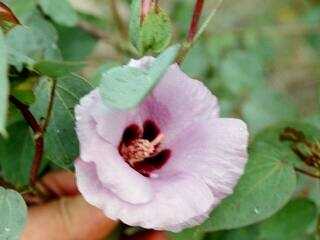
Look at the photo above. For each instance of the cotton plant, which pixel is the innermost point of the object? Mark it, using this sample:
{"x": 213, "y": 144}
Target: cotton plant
{"x": 145, "y": 141}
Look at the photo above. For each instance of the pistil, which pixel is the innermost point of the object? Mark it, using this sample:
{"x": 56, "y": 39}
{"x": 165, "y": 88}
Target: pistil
{"x": 140, "y": 149}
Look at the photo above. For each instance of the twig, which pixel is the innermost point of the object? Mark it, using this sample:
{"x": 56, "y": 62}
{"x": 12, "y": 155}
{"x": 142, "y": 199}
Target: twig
{"x": 313, "y": 175}
{"x": 197, "y": 11}
{"x": 118, "y": 19}
{"x": 38, "y": 136}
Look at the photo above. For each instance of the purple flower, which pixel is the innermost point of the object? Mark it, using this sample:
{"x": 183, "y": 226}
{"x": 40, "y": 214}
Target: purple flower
{"x": 165, "y": 164}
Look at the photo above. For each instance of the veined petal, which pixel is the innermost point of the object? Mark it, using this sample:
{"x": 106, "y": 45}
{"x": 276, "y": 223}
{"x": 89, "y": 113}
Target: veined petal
{"x": 180, "y": 201}
{"x": 215, "y": 150}
{"x": 177, "y": 101}
{"x": 113, "y": 171}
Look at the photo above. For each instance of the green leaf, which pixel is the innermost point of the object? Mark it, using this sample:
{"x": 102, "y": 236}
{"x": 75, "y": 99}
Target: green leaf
{"x": 60, "y": 11}
{"x": 191, "y": 234}
{"x": 4, "y": 85}
{"x": 13, "y": 214}
{"x": 22, "y": 9}
{"x": 156, "y": 32}
{"x": 266, "y": 107}
{"x": 292, "y": 222}
{"x": 16, "y": 154}
{"x": 61, "y": 143}
{"x": 159, "y": 67}
{"x": 267, "y": 185}
{"x": 98, "y": 74}
{"x": 57, "y": 69}
{"x": 134, "y": 25}
{"x": 125, "y": 87}
{"x": 75, "y": 44}
{"x": 247, "y": 233}
{"x": 31, "y": 43}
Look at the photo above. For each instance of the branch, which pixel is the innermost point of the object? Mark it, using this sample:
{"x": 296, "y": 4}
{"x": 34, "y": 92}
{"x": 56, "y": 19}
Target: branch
{"x": 38, "y": 136}
{"x": 313, "y": 175}
{"x": 197, "y": 11}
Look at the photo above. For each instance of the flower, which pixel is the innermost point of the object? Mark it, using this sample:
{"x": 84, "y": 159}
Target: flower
{"x": 165, "y": 164}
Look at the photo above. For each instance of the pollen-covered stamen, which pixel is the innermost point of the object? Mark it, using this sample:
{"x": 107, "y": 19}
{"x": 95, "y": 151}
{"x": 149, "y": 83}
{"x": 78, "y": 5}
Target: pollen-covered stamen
{"x": 140, "y": 149}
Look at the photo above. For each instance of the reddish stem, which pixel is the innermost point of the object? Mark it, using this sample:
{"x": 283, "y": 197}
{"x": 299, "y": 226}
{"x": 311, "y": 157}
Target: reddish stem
{"x": 24, "y": 109}
{"x": 38, "y": 133}
{"x": 145, "y": 8}
{"x": 197, "y": 11}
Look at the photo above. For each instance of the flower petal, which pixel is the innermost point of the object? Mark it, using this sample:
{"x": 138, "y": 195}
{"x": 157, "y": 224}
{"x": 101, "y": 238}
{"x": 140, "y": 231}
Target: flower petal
{"x": 177, "y": 101}
{"x": 113, "y": 171}
{"x": 215, "y": 150}
{"x": 181, "y": 201}
{"x": 109, "y": 122}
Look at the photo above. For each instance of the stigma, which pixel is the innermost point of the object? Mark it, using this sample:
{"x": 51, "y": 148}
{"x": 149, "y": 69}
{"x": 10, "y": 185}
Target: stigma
{"x": 139, "y": 149}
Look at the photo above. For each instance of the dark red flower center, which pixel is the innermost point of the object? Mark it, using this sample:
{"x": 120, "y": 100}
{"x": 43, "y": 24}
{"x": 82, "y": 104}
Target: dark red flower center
{"x": 141, "y": 148}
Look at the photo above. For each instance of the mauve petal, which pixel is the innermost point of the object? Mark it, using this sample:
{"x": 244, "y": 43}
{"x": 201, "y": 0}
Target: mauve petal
{"x": 110, "y": 122}
{"x": 215, "y": 150}
{"x": 113, "y": 171}
{"x": 177, "y": 101}
{"x": 180, "y": 201}
{"x": 93, "y": 190}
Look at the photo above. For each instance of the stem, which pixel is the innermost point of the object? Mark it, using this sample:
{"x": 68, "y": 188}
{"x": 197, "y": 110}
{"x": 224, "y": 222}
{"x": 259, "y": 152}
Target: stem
{"x": 50, "y": 105}
{"x": 39, "y": 144}
{"x": 118, "y": 19}
{"x": 38, "y": 136}
{"x": 28, "y": 116}
{"x": 313, "y": 175}
{"x": 197, "y": 11}
{"x": 194, "y": 34}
